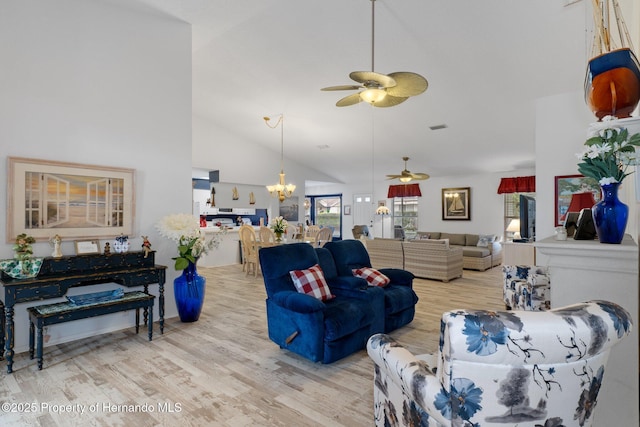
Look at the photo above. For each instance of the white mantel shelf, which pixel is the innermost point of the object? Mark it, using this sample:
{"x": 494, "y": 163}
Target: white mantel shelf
{"x": 584, "y": 270}
{"x": 591, "y": 254}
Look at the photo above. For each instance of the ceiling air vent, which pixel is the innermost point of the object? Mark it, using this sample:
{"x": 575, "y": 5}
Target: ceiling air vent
{"x": 437, "y": 127}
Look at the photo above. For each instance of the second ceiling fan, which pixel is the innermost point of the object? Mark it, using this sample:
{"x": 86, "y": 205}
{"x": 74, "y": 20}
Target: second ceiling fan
{"x": 380, "y": 90}
{"x": 408, "y": 176}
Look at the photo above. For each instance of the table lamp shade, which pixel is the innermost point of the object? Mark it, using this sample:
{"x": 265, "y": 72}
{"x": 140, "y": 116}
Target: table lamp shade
{"x": 514, "y": 227}
{"x": 580, "y": 201}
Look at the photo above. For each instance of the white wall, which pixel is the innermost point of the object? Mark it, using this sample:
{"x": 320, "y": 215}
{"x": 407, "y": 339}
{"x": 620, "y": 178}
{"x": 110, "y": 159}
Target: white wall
{"x": 487, "y": 209}
{"x": 98, "y": 82}
{"x": 562, "y": 122}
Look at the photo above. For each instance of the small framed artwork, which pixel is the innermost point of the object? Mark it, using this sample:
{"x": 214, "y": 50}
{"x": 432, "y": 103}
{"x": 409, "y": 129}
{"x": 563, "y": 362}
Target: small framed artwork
{"x": 68, "y": 199}
{"x": 84, "y": 247}
{"x": 568, "y": 185}
{"x": 347, "y": 209}
{"x": 456, "y": 203}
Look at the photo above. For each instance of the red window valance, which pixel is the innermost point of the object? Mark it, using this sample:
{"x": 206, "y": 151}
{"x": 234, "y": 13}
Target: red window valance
{"x": 404, "y": 190}
{"x": 520, "y": 184}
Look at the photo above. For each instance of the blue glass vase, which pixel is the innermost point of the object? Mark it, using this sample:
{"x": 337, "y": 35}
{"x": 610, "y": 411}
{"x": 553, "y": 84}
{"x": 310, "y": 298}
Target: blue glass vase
{"x": 188, "y": 290}
{"x": 610, "y": 215}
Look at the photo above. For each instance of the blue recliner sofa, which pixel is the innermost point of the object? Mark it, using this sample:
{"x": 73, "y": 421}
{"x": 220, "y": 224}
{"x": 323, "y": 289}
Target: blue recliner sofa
{"x": 319, "y": 331}
{"x": 399, "y": 298}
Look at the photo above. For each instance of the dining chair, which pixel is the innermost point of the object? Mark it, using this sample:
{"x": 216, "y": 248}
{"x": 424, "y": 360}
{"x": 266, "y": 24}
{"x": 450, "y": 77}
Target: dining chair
{"x": 249, "y": 244}
{"x": 311, "y": 233}
{"x": 291, "y": 232}
{"x": 324, "y": 236}
{"x": 267, "y": 237}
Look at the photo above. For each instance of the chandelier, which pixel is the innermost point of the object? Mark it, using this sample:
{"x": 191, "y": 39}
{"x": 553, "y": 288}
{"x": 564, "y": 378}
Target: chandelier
{"x": 280, "y": 190}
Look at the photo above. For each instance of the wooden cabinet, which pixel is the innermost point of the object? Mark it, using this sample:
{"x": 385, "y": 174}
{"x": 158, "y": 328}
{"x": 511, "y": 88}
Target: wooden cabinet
{"x": 518, "y": 253}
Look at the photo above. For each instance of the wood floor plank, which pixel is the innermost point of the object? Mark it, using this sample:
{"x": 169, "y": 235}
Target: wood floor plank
{"x": 222, "y": 370}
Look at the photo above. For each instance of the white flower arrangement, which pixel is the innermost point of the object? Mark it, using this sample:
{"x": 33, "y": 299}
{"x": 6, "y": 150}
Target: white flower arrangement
{"x": 184, "y": 229}
{"x": 279, "y": 224}
{"x": 608, "y": 152}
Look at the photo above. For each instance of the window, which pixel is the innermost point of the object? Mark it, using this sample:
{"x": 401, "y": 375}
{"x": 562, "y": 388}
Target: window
{"x": 325, "y": 211}
{"x": 512, "y": 211}
{"x": 405, "y": 216}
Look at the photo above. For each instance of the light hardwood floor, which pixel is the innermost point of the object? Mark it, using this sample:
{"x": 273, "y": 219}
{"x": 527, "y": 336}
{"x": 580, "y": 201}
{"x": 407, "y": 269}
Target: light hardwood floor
{"x": 220, "y": 371}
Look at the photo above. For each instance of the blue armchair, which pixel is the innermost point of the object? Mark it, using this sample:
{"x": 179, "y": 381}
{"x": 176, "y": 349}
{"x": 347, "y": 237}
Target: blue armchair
{"x": 318, "y": 330}
{"x": 399, "y": 298}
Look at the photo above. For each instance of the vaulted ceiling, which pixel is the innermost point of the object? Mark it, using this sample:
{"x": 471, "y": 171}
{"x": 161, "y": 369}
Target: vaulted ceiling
{"x": 487, "y": 62}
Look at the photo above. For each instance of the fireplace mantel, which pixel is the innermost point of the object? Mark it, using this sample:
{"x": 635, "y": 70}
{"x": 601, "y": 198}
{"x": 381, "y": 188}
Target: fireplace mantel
{"x": 584, "y": 270}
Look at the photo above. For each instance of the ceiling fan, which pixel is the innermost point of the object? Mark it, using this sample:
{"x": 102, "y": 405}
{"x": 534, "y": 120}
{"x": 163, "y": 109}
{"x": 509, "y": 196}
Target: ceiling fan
{"x": 380, "y": 90}
{"x": 407, "y": 176}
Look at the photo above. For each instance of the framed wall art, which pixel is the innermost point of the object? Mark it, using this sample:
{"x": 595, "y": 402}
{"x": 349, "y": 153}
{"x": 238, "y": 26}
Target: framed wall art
{"x": 84, "y": 247}
{"x": 566, "y": 186}
{"x": 71, "y": 200}
{"x": 289, "y": 209}
{"x": 456, "y": 203}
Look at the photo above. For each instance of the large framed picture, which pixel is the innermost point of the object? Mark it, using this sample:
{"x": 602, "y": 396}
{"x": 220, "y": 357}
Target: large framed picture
{"x": 456, "y": 203}
{"x": 68, "y": 199}
{"x": 566, "y": 186}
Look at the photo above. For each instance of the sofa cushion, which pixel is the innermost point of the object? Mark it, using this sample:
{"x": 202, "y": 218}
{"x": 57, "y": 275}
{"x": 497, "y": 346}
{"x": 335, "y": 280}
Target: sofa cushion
{"x": 485, "y": 240}
{"x": 456, "y": 239}
{"x": 431, "y": 234}
{"x": 475, "y": 252}
{"x": 311, "y": 282}
{"x": 372, "y": 276}
{"x": 471, "y": 239}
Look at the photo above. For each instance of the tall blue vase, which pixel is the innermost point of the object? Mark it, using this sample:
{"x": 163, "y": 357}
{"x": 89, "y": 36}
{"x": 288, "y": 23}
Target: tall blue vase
{"x": 188, "y": 290}
{"x": 610, "y": 215}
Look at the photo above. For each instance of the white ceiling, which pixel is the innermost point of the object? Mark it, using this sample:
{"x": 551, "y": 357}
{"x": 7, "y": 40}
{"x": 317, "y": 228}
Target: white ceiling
{"x": 486, "y": 62}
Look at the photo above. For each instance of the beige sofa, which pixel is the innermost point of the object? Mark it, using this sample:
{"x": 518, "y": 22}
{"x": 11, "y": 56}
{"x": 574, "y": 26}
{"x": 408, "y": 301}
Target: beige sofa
{"x": 428, "y": 259}
{"x": 479, "y": 252}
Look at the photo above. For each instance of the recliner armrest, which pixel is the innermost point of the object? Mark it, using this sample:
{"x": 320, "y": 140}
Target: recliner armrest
{"x": 398, "y": 276}
{"x": 298, "y": 302}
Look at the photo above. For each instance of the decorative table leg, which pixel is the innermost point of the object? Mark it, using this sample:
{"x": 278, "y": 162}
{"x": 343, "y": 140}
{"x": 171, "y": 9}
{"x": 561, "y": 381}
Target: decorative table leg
{"x": 146, "y": 291}
{"x": 2, "y": 331}
{"x": 150, "y": 323}
{"x": 161, "y": 300}
{"x": 9, "y": 341}
{"x": 32, "y": 338}
{"x": 39, "y": 350}
{"x": 138, "y": 318}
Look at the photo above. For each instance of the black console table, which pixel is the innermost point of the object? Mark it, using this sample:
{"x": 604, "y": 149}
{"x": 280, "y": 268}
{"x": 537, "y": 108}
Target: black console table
{"x": 57, "y": 275}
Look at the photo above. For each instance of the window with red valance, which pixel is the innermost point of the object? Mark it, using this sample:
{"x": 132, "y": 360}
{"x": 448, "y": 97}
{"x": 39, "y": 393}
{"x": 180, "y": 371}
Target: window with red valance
{"x": 404, "y": 190}
{"x": 520, "y": 184}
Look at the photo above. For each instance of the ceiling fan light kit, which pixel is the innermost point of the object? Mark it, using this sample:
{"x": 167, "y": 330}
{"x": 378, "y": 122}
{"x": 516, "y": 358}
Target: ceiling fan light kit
{"x": 407, "y": 176}
{"x": 380, "y": 90}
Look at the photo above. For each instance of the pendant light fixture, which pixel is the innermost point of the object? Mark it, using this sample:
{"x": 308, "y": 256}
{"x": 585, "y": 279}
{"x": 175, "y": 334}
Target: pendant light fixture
{"x": 280, "y": 190}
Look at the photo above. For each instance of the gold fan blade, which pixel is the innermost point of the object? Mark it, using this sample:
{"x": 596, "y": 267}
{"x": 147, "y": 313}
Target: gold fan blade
{"x": 368, "y": 77}
{"x": 394, "y": 176}
{"x": 342, "y": 87}
{"x": 419, "y": 176}
{"x": 349, "y": 100}
{"x": 407, "y": 84}
{"x": 389, "y": 101}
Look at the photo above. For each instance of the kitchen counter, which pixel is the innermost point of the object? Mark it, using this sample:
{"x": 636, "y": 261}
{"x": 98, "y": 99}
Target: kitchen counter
{"x": 228, "y": 252}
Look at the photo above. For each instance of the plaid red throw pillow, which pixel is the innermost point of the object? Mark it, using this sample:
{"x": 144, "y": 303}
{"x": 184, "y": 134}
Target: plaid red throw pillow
{"x": 312, "y": 282}
{"x": 372, "y": 276}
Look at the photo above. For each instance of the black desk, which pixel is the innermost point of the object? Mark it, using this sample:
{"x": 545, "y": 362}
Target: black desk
{"x": 57, "y": 275}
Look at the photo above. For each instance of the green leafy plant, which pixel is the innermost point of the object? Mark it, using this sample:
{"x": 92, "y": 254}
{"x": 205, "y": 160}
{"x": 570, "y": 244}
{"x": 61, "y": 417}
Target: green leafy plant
{"x": 22, "y": 247}
{"x": 608, "y": 154}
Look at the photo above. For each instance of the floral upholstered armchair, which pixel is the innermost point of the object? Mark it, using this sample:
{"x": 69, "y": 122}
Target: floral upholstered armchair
{"x": 525, "y": 369}
{"x": 526, "y": 287}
